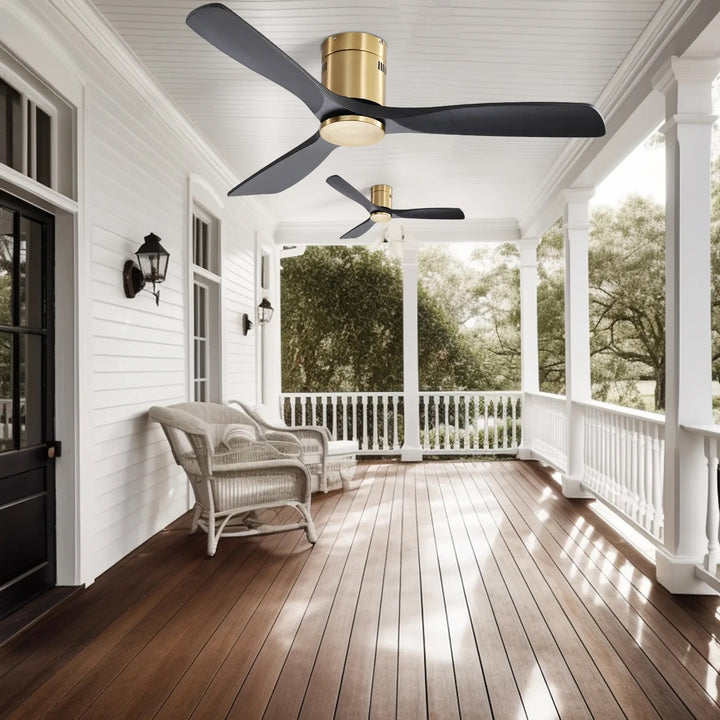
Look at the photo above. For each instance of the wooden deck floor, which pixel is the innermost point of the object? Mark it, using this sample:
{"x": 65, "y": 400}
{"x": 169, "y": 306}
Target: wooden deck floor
{"x": 438, "y": 590}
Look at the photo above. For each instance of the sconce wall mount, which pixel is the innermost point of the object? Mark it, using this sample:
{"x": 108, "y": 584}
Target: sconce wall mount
{"x": 151, "y": 268}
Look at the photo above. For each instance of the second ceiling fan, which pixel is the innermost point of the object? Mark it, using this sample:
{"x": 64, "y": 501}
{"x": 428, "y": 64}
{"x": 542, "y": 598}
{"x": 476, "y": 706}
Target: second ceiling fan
{"x": 380, "y": 207}
{"x": 350, "y": 100}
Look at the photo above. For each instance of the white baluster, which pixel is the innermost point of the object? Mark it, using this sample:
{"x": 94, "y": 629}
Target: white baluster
{"x": 426, "y": 424}
{"x": 396, "y": 442}
{"x": 436, "y": 401}
{"x": 375, "y": 422}
{"x": 364, "y": 399}
{"x": 711, "y": 529}
{"x": 486, "y": 432}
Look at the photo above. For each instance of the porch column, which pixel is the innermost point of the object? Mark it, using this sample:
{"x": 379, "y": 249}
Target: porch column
{"x": 686, "y": 84}
{"x": 411, "y": 449}
{"x": 529, "y": 372}
{"x": 577, "y": 334}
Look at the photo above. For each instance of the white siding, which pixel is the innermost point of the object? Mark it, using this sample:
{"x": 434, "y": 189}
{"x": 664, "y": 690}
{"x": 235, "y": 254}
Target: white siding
{"x": 136, "y": 165}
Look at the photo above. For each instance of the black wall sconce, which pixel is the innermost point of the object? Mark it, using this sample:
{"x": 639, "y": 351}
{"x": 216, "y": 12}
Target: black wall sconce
{"x": 246, "y": 324}
{"x": 265, "y": 311}
{"x": 153, "y": 260}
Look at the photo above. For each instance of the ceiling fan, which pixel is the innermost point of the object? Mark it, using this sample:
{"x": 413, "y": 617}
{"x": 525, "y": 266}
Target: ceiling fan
{"x": 380, "y": 207}
{"x": 350, "y": 100}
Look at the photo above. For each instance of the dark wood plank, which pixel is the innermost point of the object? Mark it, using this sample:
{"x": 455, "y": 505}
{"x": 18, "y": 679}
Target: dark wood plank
{"x": 442, "y": 696}
{"x": 383, "y": 700}
{"x": 357, "y": 679}
{"x": 470, "y": 551}
{"x": 411, "y": 700}
{"x": 333, "y": 596}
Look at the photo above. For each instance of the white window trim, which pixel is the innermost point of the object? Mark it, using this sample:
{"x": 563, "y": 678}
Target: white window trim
{"x": 201, "y": 194}
{"x": 27, "y": 92}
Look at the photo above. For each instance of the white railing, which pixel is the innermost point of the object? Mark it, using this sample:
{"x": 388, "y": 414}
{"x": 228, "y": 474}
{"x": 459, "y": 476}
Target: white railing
{"x": 459, "y": 423}
{"x": 624, "y": 452}
{"x": 546, "y": 428}
{"x": 470, "y": 423}
{"x": 373, "y": 419}
{"x": 708, "y": 571}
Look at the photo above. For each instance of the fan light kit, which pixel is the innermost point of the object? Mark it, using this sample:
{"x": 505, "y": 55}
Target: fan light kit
{"x": 380, "y": 207}
{"x": 350, "y": 105}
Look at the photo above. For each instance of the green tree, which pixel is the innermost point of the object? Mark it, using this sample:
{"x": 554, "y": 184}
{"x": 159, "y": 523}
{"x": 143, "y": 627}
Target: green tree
{"x": 342, "y": 327}
{"x": 627, "y": 292}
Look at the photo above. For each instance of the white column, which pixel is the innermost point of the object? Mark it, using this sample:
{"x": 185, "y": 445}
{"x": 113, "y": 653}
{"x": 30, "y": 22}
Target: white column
{"x": 577, "y": 333}
{"x": 529, "y": 372}
{"x": 411, "y": 450}
{"x": 686, "y": 84}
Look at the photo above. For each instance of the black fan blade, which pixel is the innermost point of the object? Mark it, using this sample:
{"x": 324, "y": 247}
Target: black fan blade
{"x": 346, "y": 189}
{"x": 430, "y": 213}
{"x": 229, "y": 33}
{"x": 531, "y": 119}
{"x": 358, "y": 230}
{"x": 286, "y": 170}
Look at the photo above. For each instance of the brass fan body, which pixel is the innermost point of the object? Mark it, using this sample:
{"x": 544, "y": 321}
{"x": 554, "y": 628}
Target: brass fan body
{"x": 353, "y": 65}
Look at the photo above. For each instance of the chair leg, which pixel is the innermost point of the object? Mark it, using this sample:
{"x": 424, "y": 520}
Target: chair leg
{"x": 309, "y": 525}
{"x": 197, "y": 512}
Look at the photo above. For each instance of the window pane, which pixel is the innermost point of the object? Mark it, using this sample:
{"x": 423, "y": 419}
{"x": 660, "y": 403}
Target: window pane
{"x": 31, "y": 274}
{"x": 10, "y": 126}
{"x": 6, "y": 265}
{"x": 42, "y": 145}
{"x": 32, "y": 390}
{"x": 6, "y": 426}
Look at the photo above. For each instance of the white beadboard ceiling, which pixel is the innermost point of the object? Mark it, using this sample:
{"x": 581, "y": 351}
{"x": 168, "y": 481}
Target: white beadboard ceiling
{"x": 438, "y": 53}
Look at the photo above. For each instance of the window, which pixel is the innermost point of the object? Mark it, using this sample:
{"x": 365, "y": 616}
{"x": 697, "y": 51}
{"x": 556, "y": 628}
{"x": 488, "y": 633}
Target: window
{"x": 26, "y": 135}
{"x": 206, "y": 306}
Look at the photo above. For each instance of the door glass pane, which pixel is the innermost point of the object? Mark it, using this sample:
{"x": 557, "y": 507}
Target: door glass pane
{"x": 6, "y": 383}
{"x": 31, "y": 390}
{"x": 31, "y": 274}
{"x": 10, "y": 126}
{"x": 42, "y": 145}
{"x": 6, "y": 265}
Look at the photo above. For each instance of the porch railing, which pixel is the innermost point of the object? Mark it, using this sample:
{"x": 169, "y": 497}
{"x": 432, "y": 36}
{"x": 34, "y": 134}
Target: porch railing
{"x": 451, "y": 423}
{"x": 624, "y": 454}
{"x": 546, "y": 428}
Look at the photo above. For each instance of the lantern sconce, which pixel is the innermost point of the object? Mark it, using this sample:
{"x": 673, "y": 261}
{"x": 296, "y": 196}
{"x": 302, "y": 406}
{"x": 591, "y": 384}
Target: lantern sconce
{"x": 152, "y": 261}
{"x": 246, "y": 324}
{"x": 265, "y": 311}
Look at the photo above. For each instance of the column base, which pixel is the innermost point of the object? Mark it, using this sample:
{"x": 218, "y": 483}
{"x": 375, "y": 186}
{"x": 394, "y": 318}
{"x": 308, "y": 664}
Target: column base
{"x": 411, "y": 454}
{"x": 677, "y": 574}
{"x": 524, "y": 454}
{"x": 572, "y": 488}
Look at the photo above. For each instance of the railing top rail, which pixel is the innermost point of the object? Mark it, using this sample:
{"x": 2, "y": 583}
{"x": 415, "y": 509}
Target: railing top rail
{"x": 463, "y": 393}
{"x": 423, "y": 393}
{"x": 341, "y": 394}
{"x": 546, "y": 395}
{"x": 706, "y": 430}
{"x": 654, "y": 418}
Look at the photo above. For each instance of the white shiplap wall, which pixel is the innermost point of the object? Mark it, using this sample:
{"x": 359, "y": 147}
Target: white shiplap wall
{"x": 135, "y": 165}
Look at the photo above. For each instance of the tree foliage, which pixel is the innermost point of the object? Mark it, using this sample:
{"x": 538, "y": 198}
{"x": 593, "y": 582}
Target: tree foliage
{"x": 342, "y": 327}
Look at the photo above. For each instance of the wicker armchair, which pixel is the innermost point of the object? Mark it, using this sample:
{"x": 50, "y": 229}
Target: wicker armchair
{"x": 330, "y": 461}
{"x": 237, "y": 480}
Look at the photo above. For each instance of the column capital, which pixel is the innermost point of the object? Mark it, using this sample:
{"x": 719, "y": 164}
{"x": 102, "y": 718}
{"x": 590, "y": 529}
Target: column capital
{"x": 691, "y": 68}
{"x": 528, "y": 251}
{"x": 577, "y": 195}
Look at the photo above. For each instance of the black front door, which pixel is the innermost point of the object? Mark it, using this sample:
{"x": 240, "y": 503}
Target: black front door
{"x": 27, "y": 422}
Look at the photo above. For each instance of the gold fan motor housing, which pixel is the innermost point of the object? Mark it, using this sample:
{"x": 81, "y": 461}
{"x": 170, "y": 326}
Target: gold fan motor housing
{"x": 381, "y": 195}
{"x": 353, "y": 65}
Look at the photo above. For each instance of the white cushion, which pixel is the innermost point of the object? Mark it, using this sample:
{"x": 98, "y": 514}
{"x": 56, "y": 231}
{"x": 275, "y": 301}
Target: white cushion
{"x": 342, "y": 447}
{"x": 238, "y": 434}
